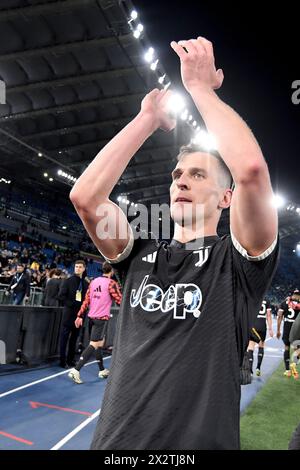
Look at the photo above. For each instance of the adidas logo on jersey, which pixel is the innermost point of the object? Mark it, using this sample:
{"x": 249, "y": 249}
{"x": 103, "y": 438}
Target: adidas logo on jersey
{"x": 98, "y": 289}
{"x": 150, "y": 258}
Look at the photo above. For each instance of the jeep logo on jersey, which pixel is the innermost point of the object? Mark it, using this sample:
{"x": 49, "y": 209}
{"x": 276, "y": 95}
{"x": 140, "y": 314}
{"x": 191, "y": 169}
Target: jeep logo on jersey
{"x": 181, "y": 299}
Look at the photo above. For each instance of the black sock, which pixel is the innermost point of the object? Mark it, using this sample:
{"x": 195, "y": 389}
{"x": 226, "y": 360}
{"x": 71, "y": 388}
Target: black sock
{"x": 250, "y": 356}
{"x": 286, "y": 358}
{"x": 99, "y": 358}
{"x": 260, "y": 357}
{"x": 85, "y": 356}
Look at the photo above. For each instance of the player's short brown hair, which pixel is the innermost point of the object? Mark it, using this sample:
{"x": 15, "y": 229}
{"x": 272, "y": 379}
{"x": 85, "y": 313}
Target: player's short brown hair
{"x": 225, "y": 180}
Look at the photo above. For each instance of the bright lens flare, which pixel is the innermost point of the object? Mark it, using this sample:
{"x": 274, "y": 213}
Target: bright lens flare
{"x": 206, "y": 140}
{"x": 175, "y": 104}
{"x": 278, "y": 201}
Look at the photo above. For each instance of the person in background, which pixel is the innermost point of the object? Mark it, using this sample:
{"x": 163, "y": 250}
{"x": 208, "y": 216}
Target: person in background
{"x": 34, "y": 266}
{"x": 72, "y": 293}
{"x": 51, "y": 291}
{"x": 19, "y": 286}
{"x": 258, "y": 335}
{"x": 289, "y": 311}
{"x": 100, "y": 295}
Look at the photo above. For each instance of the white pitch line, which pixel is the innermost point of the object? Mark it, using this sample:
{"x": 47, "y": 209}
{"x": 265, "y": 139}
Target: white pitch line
{"x": 75, "y": 431}
{"x": 9, "y": 392}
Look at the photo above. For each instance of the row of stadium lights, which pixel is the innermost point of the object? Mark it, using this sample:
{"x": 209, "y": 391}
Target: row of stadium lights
{"x": 293, "y": 208}
{"x": 67, "y": 176}
{"x": 176, "y": 104}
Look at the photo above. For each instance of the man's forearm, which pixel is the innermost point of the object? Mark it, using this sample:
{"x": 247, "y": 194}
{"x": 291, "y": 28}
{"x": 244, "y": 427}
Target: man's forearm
{"x": 99, "y": 179}
{"x": 278, "y": 323}
{"x": 236, "y": 143}
{"x": 269, "y": 321}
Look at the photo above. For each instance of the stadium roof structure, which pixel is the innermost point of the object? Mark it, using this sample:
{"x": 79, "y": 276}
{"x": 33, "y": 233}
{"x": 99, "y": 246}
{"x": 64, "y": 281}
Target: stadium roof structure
{"x": 75, "y": 75}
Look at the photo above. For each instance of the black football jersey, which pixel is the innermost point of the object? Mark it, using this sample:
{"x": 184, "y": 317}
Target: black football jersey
{"x": 261, "y": 319}
{"x": 290, "y": 314}
{"x": 182, "y": 331}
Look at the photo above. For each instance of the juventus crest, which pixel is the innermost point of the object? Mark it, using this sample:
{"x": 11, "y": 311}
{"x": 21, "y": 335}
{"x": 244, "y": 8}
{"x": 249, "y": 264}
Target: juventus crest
{"x": 203, "y": 256}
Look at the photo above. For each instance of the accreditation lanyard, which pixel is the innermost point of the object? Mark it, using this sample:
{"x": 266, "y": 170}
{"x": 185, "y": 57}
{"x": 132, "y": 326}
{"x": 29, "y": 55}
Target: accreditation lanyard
{"x": 79, "y": 292}
{"x": 16, "y": 283}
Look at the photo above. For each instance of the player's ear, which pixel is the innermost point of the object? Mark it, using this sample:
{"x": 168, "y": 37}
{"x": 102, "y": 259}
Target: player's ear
{"x": 225, "y": 202}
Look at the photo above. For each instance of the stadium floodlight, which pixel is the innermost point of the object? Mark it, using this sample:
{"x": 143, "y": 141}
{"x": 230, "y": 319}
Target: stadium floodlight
{"x": 194, "y": 123}
{"x": 278, "y": 201}
{"x": 149, "y": 55}
{"x": 190, "y": 117}
{"x": 46, "y": 175}
{"x": 64, "y": 227}
{"x": 153, "y": 66}
{"x": 40, "y": 154}
{"x": 60, "y": 172}
{"x": 51, "y": 179}
{"x": 134, "y": 15}
{"x": 140, "y": 27}
{"x": 161, "y": 79}
{"x": 136, "y": 33}
{"x": 206, "y": 140}
{"x": 298, "y": 210}
{"x": 119, "y": 198}
{"x": 175, "y": 103}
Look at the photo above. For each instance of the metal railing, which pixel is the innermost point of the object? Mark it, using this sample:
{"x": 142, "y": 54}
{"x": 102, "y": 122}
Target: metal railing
{"x": 35, "y": 299}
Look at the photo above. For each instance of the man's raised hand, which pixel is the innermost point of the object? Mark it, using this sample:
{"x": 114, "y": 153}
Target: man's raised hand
{"x": 155, "y": 104}
{"x": 198, "y": 64}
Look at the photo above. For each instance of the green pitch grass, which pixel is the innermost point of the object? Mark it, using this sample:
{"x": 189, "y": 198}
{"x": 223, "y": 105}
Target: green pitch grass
{"x": 270, "y": 420}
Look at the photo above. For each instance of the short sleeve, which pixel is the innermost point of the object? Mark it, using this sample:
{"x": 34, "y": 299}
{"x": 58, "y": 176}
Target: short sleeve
{"x": 255, "y": 273}
{"x": 252, "y": 277}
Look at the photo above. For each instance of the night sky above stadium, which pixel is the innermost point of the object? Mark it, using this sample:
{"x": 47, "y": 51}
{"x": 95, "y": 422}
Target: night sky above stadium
{"x": 259, "y": 53}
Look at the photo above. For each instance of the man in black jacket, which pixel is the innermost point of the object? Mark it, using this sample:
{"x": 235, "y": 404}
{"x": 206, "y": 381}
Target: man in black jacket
{"x": 20, "y": 285}
{"x": 72, "y": 294}
{"x": 51, "y": 291}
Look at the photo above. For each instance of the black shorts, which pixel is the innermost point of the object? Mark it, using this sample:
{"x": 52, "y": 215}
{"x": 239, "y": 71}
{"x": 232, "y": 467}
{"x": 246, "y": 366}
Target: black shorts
{"x": 99, "y": 329}
{"x": 257, "y": 335}
{"x": 286, "y": 334}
